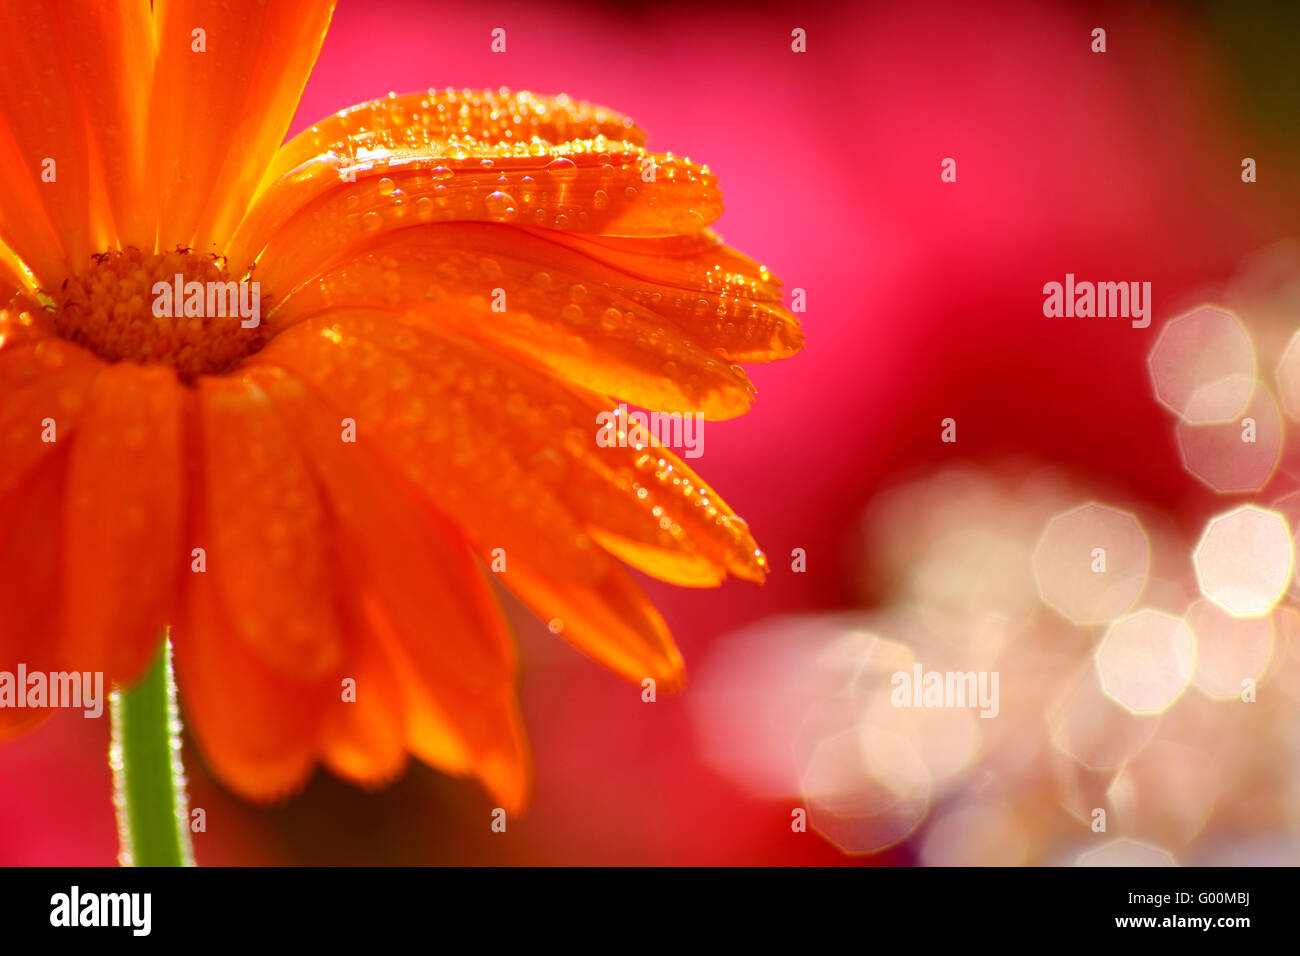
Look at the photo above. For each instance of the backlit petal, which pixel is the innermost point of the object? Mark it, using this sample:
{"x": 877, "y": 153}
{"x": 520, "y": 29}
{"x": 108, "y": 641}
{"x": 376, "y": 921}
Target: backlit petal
{"x": 257, "y": 729}
{"x": 478, "y": 406}
{"x": 44, "y": 383}
{"x": 31, "y": 523}
{"x": 269, "y": 541}
{"x": 555, "y": 311}
{"x": 414, "y": 124}
{"x": 45, "y": 152}
{"x": 108, "y": 47}
{"x": 122, "y": 524}
{"x": 421, "y": 595}
{"x": 219, "y": 115}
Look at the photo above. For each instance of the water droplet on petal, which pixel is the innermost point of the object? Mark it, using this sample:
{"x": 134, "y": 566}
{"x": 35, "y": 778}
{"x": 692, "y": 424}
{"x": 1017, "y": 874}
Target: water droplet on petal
{"x": 501, "y": 206}
{"x": 562, "y": 168}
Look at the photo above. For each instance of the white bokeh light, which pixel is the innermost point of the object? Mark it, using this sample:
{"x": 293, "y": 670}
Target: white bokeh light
{"x": 1146, "y": 661}
{"x": 1203, "y": 365}
{"x": 1244, "y": 560}
{"x": 1091, "y": 563}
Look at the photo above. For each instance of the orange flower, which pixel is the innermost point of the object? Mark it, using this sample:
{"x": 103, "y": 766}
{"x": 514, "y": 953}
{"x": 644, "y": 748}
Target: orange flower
{"x": 142, "y": 144}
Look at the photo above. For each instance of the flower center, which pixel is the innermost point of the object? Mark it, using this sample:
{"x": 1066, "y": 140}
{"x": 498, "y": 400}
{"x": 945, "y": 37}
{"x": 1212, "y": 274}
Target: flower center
{"x": 170, "y": 308}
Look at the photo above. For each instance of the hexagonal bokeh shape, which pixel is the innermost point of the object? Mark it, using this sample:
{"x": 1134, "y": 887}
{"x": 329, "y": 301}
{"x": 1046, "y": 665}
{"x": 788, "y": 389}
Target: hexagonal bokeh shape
{"x": 1238, "y": 455}
{"x": 1244, "y": 560}
{"x": 1288, "y": 378}
{"x": 1091, "y": 563}
{"x": 1146, "y": 660}
{"x": 865, "y": 790}
{"x": 1203, "y": 365}
{"x": 1229, "y": 649}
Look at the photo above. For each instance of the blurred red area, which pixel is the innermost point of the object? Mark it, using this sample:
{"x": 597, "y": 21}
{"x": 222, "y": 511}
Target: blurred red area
{"x": 924, "y": 303}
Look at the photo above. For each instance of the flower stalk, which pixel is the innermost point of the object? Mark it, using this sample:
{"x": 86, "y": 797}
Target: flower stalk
{"x": 149, "y": 786}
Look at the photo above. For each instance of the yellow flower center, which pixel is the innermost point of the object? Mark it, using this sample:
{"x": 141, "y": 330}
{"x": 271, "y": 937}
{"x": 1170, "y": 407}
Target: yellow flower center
{"x": 171, "y": 308}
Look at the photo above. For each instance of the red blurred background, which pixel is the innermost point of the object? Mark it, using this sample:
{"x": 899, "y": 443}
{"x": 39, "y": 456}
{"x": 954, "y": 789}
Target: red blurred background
{"x": 924, "y": 302}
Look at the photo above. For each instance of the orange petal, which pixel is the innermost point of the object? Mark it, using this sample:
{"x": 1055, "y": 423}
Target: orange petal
{"x": 479, "y": 734}
{"x": 258, "y": 730}
{"x": 43, "y": 382}
{"x": 269, "y": 542}
{"x": 45, "y": 216}
{"x": 22, "y": 320}
{"x": 25, "y": 226}
{"x": 364, "y": 739}
{"x": 457, "y": 418}
{"x": 585, "y": 186}
{"x": 31, "y": 522}
{"x": 403, "y": 559}
{"x": 561, "y": 312}
{"x": 14, "y": 276}
{"x": 428, "y": 121}
{"x": 414, "y": 415}
{"x": 121, "y": 534}
{"x": 108, "y": 47}
{"x": 424, "y": 598}
{"x": 729, "y": 304}
{"x": 414, "y": 124}
{"x": 610, "y": 620}
{"x": 219, "y": 115}
{"x": 696, "y": 261}
{"x": 504, "y": 420}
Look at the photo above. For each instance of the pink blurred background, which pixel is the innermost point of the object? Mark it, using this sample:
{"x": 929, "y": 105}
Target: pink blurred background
{"x": 924, "y": 302}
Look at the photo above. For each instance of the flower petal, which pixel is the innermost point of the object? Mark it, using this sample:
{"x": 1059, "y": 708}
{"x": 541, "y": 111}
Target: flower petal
{"x": 108, "y": 49}
{"x": 460, "y": 733}
{"x": 415, "y": 417}
{"x": 728, "y": 303}
{"x": 610, "y": 620}
{"x": 503, "y": 450}
{"x": 364, "y": 739}
{"x": 584, "y": 186}
{"x": 45, "y": 216}
{"x": 44, "y": 383}
{"x": 257, "y": 729}
{"x": 487, "y": 416}
{"x": 423, "y": 598}
{"x": 219, "y": 115}
{"x": 560, "y": 312}
{"x": 403, "y": 126}
{"x": 122, "y": 527}
{"x": 427, "y": 121}
{"x": 268, "y": 544}
{"x": 31, "y": 523}
{"x": 597, "y": 185}
{"x": 14, "y": 279}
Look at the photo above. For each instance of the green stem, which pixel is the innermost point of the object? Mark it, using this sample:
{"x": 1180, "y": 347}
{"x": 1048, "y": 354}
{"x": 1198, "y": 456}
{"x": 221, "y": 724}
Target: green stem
{"x": 148, "y": 776}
